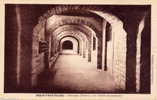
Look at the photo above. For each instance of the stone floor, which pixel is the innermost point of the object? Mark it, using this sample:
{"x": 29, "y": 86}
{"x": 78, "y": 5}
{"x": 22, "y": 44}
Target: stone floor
{"x": 74, "y": 74}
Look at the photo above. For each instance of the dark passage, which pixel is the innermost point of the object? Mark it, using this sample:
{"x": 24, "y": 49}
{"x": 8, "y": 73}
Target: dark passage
{"x": 67, "y": 45}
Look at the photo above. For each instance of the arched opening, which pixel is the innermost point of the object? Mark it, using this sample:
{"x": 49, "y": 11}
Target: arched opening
{"x": 94, "y": 47}
{"x": 67, "y": 45}
{"x": 102, "y": 28}
{"x": 117, "y": 46}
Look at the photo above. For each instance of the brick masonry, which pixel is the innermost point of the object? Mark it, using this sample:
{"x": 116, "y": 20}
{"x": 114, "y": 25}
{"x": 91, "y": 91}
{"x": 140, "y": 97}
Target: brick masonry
{"x": 37, "y": 58}
{"x": 119, "y": 56}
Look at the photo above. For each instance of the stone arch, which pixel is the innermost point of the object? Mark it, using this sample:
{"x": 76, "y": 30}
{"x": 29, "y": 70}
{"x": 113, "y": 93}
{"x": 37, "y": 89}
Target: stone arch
{"x": 69, "y": 28}
{"x": 88, "y": 32}
{"x": 116, "y": 24}
{"x": 81, "y": 37}
{"x": 70, "y": 32}
{"x": 112, "y": 19}
{"x": 74, "y": 41}
{"x": 90, "y": 23}
{"x": 68, "y": 8}
{"x": 83, "y": 29}
{"x": 87, "y": 45}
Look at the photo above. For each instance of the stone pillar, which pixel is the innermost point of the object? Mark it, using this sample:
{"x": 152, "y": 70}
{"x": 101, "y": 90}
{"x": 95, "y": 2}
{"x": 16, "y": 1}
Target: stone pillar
{"x": 104, "y": 46}
{"x": 131, "y": 27}
{"x": 25, "y": 46}
{"x": 52, "y": 46}
{"x": 49, "y": 49}
{"x": 46, "y": 54}
{"x": 12, "y": 48}
{"x": 99, "y": 54}
{"x": 81, "y": 48}
{"x": 18, "y": 44}
{"x": 84, "y": 49}
{"x": 145, "y": 68}
{"x": 89, "y": 50}
{"x": 92, "y": 47}
{"x": 138, "y": 54}
{"x": 55, "y": 45}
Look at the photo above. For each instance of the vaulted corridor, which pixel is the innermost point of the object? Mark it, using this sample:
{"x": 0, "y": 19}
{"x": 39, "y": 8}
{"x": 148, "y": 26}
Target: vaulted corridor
{"x": 73, "y": 76}
{"x": 77, "y": 49}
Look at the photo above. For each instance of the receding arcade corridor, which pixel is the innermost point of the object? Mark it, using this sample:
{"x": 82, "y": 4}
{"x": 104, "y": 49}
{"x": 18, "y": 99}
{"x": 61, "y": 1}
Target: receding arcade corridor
{"x": 77, "y": 48}
{"x": 71, "y": 76}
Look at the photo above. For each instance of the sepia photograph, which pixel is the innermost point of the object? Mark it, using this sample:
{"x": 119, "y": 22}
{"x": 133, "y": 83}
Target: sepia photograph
{"x": 62, "y": 48}
{"x": 78, "y": 50}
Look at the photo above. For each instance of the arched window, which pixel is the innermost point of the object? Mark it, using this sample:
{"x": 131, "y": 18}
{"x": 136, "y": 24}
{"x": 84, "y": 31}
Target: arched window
{"x": 67, "y": 45}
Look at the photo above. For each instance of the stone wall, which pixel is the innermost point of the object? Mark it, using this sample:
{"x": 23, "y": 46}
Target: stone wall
{"x": 138, "y": 54}
{"x": 37, "y": 58}
{"x": 110, "y": 56}
{"x": 25, "y": 45}
{"x": 145, "y": 68}
{"x": 10, "y": 58}
{"x": 20, "y": 24}
{"x": 109, "y": 45}
{"x": 119, "y": 59}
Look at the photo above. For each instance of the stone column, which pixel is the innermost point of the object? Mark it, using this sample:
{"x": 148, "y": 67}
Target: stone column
{"x": 49, "y": 50}
{"x": 89, "y": 50}
{"x": 52, "y": 47}
{"x": 99, "y": 54}
{"x": 46, "y": 54}
{"x": 138, "y": 54}
{"x": 131, "y": 27}
{"x": 145, "y": 68}
{"x": 84, "y": 49}
{"x": 92, "y": 47}
{"x": 80, "y": 47}
{"x": 104, "y": 46}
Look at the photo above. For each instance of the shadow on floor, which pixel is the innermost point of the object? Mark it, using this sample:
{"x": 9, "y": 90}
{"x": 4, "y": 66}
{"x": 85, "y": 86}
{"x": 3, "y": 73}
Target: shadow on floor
{"x": 45, "y": 87}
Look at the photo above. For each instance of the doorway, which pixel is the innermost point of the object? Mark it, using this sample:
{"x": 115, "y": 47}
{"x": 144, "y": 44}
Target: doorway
{"x": 67, "y": 45}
